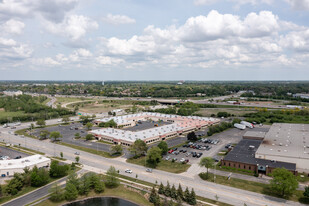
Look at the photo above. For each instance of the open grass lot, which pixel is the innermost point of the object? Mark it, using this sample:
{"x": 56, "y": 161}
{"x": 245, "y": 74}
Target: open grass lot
{"x": 62, "y": 100}
{"x": 4, "y": 114}
{"x": 234, "y": 111}
{"x": 168, "y": 166}
{"x": 254, "y": 187}
{"x": 93, "y": 151}
{"x": 120, "y": 192}
{"x": 101, "y": 107}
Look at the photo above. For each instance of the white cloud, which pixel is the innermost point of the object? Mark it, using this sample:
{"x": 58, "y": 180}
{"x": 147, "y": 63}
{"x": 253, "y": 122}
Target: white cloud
{"x": 106, "y": 60}
{"x": 54, "y": 10}
{"x": 238, "y": 2}
{"x": 12, "y": 27}
{"x": 118, "y": 19}
{"x": 299, "y": 4}
{"x": 10, "y": 49}
{"x": 73, "y": 26}
{"x": 216, "y": 39}
{"x": 47, "y": 61}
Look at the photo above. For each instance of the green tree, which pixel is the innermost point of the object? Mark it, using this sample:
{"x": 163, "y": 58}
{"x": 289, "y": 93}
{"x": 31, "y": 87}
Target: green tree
{"x": 161, "y": 189}
{"x": 56, "y": 193}
{"x": 154, "y": 156}
{"x": 138, "y": 148}
{"x": 89, "y": 125}
{"x": 15, "y": 184}
{"x": 192, "y": 200}
{"x": 84, "y": 185}
{"x": 180, "y": 192}
{"x": 61, "y": 155}
{"x": 55, "y": 135}
{"x": 65, "y": 119}
{"x": 77, "y": 159}
{"x": 111, "y": 178}
{"x": 89, "y": 137}
{"x": 41, "y": 122}
{"x": 57, "y": 170}
{"x": 187, "y": 195}
{"x": 179, "y": 201}
{"x": 77, "y": 135}
{"x": 70, "y": 192}
{"x": 154, "y": 197}
{"x": 163, "y": 146}
{"x": 44, "y": 134}
{"x": 306, "y": 193}
{"x": 39, "y": 177}
{"x": 284, "y": 183}
{"x": 173, "y": 192}
{"x": 192, "y": 136}
{"x": 207, "y": 162}
{"x": 167, "y": 190}
{"x": 116, "y": 149}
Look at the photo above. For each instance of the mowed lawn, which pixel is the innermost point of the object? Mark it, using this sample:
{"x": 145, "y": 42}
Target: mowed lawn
{"x": 121, "y": 192}
{"x": 4, "y": 114}
{"x": 168, "y": 166}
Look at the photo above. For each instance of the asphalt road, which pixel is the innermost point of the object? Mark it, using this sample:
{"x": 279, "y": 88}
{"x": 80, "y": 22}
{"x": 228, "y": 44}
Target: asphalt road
{"x": 202, "y": 188}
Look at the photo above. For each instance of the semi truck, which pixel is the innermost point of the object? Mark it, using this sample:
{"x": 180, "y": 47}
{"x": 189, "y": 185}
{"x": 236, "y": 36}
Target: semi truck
{"x": 247, "y": 124}
{"x": 240, "y": 126}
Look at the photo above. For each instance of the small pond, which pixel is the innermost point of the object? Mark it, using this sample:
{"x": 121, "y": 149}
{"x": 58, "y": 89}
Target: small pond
{"x": 102, "y": 201}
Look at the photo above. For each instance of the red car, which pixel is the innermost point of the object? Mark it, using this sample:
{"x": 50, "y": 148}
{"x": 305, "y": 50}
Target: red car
{"x": 170, "y": 151}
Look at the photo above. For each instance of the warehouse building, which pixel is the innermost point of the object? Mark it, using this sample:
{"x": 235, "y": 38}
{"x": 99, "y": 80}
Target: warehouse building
{"x": 177, "y": 126}
{"x": 10, "y": 167}
{"x": 243, "y": 157}
{"x": 287, "y": 143}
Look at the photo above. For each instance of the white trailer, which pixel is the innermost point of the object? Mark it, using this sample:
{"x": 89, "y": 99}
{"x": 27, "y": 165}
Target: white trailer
{"x": 247, "y": 124}
{"x": 240, "y": 126}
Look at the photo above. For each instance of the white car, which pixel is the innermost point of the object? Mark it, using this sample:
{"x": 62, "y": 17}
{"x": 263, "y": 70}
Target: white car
{"x": 128, "y": 171}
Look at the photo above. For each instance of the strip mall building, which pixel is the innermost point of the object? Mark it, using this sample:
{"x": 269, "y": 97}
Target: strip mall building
{"x": 178, "y": 125}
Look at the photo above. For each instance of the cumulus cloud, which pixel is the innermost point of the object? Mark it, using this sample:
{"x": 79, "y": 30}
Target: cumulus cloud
{"x": 238, "y": 2}
{"x": 299, "y": 4}
{"x": 11, "y": 49}
{"x": 12, "y": 27}
{"x": 54, "y": 10}
{"x": 74, "y": 26}
{"x": 106, "y": 60}
{"x": 214, "y": 39}
{"x": 118, "y": 19}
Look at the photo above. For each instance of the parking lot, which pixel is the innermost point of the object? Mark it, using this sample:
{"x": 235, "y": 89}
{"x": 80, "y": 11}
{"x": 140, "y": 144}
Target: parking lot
{"x": 7, "y": 153}
{"x": 210, "y": 148}
{"x": 68, "y": 134}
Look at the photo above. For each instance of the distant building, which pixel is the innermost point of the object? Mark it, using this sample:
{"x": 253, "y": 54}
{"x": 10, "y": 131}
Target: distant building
{"x": 300, "y": 95}
{"x": 13, "y": 93}
{"x": 103, "y": 83}
{"x": 10, "y": 167}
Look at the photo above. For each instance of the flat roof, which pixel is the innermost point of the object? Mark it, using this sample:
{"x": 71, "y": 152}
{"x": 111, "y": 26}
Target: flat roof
{"x": 22, "y": 162}
{"x": 245, "y": 150}
{"x": 180, "y": 123}
{"x": 286, "y": 140}
{"x": 257, "y": 134}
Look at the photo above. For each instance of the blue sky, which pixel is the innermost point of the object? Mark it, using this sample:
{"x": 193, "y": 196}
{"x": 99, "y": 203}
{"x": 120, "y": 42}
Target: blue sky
{"x": 154, "y": 40}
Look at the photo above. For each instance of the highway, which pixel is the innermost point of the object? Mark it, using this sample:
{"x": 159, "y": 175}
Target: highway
{"x": 202, "y": 188}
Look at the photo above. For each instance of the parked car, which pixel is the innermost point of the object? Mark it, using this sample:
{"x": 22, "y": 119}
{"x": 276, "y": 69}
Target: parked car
{"x": 175, "y": 148}
{"x": 171, "y": 151}
{"x": 17, "y": 157}
{"x": 149, "y": 170}
{"x": 175, "y": 159}
{"x": 167, "y": 158}
{"x": 199, "y": 155}
{"x": 128, "y": 171}
{"x": 77, "y": 153}
{"x": 182, "y": 160}
{"x": 188, "y": 154}
{"x": 184, "y": 151}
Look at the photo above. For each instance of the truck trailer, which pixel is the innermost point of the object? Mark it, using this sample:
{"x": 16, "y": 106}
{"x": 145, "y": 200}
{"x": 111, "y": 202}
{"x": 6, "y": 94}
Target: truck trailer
{"x": 247, "y": 124}
{"x": 240, "y": 126}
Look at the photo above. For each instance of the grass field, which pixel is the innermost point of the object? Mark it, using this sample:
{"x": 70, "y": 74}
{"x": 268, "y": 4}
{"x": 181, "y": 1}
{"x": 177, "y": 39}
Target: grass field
{"x": 121, "y": 192}
{"x": 4, "y": 114}
{"x": 254, "y": 187}
{"x": 93, "y": 151}
{"x": 62, "y": 100}
{"x": 168, "y": 166}
{"x": 235, "y": 111}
